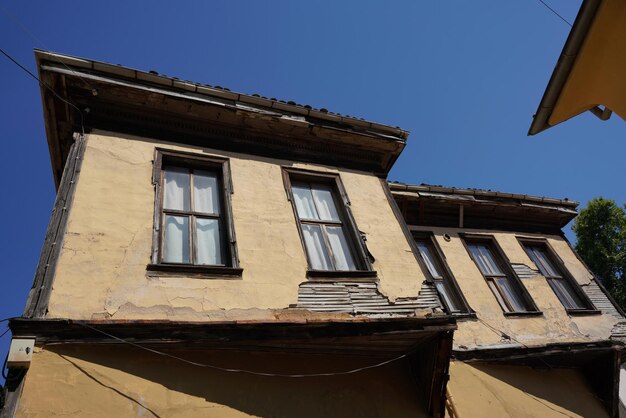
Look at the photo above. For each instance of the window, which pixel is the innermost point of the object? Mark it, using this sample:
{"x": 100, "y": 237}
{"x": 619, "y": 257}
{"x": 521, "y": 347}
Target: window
{"x": 193, "y": 227}
{"x": 442, "y": 279}
{"x": 565, "y": 288}
{"x": 328, "y": 231}
{"x": 505, "y": 286}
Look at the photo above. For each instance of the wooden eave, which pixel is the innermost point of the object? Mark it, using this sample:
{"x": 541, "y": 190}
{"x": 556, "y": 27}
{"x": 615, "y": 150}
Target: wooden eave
{"x": 119, "y": 99}
{"x": 368, "y": 336}
{"x": 560, "y": 354}
{"x": 481, "y": 209}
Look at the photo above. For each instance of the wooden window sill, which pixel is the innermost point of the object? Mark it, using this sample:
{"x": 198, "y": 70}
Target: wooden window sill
{"x": 464, "y": 315}
{"x": 198, "y": 272}
{"x": 521, "y": 314}
{"x": 582, "y": 312}
{"x": 341, "y": 275}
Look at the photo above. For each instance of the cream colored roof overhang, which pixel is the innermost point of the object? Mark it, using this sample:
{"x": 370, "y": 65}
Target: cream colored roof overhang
{"x": 590, "y": 71}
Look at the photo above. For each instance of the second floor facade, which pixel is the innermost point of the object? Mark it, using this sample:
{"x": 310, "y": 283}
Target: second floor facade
{"x": 503, "y": 266}
{"x": 191, "y": 203}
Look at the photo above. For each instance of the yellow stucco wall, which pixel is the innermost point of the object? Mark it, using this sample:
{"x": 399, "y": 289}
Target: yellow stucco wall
{"x": 101, "y": 271}
{"x": 487, "y": 390}
{"x": 115, "y": 381}
{"x": 555, "y": 325}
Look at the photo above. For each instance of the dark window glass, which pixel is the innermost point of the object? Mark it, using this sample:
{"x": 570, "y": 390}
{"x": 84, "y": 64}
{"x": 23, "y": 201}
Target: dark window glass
{"x": 505, "y": 287}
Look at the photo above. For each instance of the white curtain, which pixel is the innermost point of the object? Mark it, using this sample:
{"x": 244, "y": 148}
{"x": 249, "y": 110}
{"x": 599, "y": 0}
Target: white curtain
{"x": 511, "y": 294}
{"x": 176, "y": 190}
{"x": 176, "y": 248}
{"x": 339, "y": 246}
{"x": 208, "y": 236}
{"x": 205, "y": 192}
{"x": 324, "y": 203}
{"x": 318, "y": 256}
{"x": 542, "y": 262}
{"x": 304, "y": 202}
{"x": 484, "y": 259}
{"x": 428, "y": 260}
{"x": 446, "y": 294}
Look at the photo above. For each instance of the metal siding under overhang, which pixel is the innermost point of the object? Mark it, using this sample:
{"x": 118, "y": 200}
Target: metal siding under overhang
{"x": 598, "y": 75}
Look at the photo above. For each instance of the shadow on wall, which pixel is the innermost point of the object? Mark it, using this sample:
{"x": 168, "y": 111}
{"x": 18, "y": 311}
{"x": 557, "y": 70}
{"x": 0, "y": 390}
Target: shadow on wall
{"x": 125, "y": 381}
{"x": 516, "y": 391}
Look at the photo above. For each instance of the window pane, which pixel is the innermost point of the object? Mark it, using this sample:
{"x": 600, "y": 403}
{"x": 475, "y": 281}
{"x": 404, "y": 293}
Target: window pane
{"x": 304, "y": 202}
{"x": 510, "y": 292}
{"x": 498, "y": 295}
{"x": 544, "y": 264}
{"x": 206, "y": 192}
{"x": 176, "y": 190}
{"x": 566, "y": 294}
{"x": 324, "y": 203}
{"x": 428, "y": 260}
{"x": 208, "y": 236}
{"x": 176, "y": 246}
{"x": 484, "y": 259}
{"x": 316, "y": 248}
{"x": 341, "y": 250}
{"x": 448, "y": 296}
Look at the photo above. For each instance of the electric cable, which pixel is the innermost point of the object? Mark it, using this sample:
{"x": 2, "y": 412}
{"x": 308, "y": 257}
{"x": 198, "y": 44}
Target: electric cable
{"x": 5, "y": 331}
{"x": 508, "y": 337}
{"x": 19, "y": 24}
{"x": 230, "y": 370}
{"x": 41, "y": 83}
{"x": 555, "y": 12}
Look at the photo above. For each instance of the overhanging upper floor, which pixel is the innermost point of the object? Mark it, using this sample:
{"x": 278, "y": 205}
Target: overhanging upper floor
{"x": 91, "y": 94}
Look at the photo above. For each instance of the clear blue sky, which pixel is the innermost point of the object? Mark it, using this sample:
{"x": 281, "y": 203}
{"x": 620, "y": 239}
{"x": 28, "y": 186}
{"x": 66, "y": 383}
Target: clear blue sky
{"x": 464, "y": 77}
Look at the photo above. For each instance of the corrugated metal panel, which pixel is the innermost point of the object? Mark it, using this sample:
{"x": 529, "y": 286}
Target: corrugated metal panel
{"x": 523, "y": 271}
{"x": 619, "y": 331}
{"x": 599, "y": 299}
{"x": 362, "y": 298}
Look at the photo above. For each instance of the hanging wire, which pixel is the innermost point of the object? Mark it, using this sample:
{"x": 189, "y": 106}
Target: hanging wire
{"x": 230, "y": 370}
{"x": 508, "y": 337}
{"x": 41, "y": 83}
{"x": 555, "y": 12}
{"x": 24, "y": 29}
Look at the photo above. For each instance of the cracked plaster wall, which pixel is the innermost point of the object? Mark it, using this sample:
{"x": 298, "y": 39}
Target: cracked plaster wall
{"x": 555, "y": 325}
{"x": 101, "y": 272}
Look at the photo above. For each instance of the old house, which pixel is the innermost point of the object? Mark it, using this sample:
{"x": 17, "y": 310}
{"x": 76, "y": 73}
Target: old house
{"x": 537, "y": 333}
{"x": 218, "y": 254}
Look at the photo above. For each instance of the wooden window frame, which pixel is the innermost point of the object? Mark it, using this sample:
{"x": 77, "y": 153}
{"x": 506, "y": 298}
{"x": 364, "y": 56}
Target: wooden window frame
{"x": 355, "y": 239}
{"x": 448, "y": 277}
{"x": 221, "y": 166}
{"x": 558, "y": 263}
{"x": 505, "y": 266}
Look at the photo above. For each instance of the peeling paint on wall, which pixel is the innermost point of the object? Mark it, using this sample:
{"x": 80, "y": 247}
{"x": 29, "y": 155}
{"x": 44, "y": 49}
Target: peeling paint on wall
{"x": 102, "y": 268}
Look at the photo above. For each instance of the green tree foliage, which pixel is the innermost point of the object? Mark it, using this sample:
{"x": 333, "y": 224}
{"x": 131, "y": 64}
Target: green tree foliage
{"x": 601, "y": 241}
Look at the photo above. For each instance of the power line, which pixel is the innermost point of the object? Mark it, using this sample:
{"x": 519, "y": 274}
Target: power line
{"x": 508, "y": 337}
{"x": 555, "y": 12}
{"x": 210, "y": 366}
{"x": 19, "y": 24}
{"x": 41, "y": 83}
{"x": 5, "y": 331}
